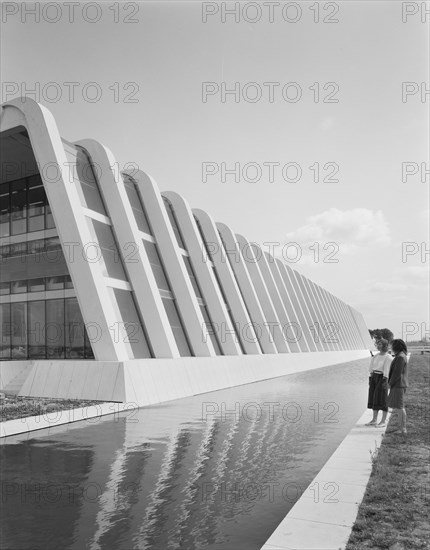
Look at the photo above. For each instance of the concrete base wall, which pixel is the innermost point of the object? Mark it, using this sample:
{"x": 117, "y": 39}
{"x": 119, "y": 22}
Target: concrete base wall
{"x": 10, "y": 370}
{"x": 13, "y": 375}
{"x": 147, "y": 381}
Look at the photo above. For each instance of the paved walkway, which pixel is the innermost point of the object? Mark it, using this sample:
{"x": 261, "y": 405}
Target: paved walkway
{"x": 323, "y": 517}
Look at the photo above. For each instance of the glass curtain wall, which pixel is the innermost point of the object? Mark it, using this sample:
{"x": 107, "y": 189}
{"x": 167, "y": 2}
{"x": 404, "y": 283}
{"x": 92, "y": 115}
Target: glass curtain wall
{"x": 39, "y": 315}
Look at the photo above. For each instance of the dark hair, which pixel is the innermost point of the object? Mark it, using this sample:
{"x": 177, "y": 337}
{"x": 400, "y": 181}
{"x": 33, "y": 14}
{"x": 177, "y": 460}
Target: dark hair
{"x": 398, "y": 346}
{"x": 384, "y": 343}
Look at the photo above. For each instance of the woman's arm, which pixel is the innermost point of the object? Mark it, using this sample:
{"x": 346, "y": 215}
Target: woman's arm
{"x": 387, "y": 363}
{"x": 396, "y": 371}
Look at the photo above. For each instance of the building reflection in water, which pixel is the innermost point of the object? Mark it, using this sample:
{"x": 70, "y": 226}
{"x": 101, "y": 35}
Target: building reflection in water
{"x": 164, "y": 477}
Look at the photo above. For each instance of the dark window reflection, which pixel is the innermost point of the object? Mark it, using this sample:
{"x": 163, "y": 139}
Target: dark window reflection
{"x": 18, "y": 321}
{"x": 54, "y": 283}
{"x": 76, "y": 345}
{"x": 36, "y": 285}
{"x": 47, "y": 249}
{"x": 43, "y": 329}
{"x": 4, "y": 288}
{"x": 174, "y": 223}
{"x": 55, "y": 329}
{"x": 17, "y": 287}
{"x": 5, "y": 331}
{"x": 36, "y": 329}
{"x": 24, "y": 207}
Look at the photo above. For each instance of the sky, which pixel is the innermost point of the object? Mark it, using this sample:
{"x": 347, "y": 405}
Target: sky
{"x": 322, "y": 142}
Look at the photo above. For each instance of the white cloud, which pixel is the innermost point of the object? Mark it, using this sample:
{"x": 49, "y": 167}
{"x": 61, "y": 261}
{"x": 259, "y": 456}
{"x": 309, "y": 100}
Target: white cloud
{"x": 409, "y": 278}
{"x": 417, "y": 273}
{"x": 350, "y": 229}
{"x": 327, "y": 123}
{"x": 388, "y": 286}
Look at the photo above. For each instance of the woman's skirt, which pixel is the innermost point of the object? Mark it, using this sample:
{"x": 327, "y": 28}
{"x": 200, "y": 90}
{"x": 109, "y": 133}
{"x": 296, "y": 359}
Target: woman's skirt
{"x": 396, "y": 398}
{"x": 378, "y": 390}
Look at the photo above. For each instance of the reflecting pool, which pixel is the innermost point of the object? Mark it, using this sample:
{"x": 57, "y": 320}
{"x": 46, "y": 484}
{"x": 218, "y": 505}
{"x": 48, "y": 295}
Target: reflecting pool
{"x": 214, "y": 471}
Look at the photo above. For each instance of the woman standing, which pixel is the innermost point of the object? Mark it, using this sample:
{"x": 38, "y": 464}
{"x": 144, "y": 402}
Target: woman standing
{"x": 398, "y": 381}
{"x": 378, "y": 387}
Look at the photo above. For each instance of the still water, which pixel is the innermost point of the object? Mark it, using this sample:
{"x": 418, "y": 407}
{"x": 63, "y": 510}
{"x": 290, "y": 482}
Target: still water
{"x": 217, "y": 471}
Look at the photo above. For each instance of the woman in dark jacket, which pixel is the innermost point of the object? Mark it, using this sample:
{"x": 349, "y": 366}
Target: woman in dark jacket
{"x": 398, "y": 381}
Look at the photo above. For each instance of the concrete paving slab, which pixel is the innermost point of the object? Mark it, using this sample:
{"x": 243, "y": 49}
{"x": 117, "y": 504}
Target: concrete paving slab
{"x": 301, "y": 534}
{"x": 330, "y": 512}
{"x": 358, "y": 477}
{"x": 330, "y": 490}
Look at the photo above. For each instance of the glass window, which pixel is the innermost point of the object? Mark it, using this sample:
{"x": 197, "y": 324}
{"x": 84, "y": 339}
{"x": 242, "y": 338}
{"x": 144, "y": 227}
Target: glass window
{"x": 18, "y": 250}
{"x": 33, "y": 261}
{"x": 39, "y": 329}
{"x": 34, "y": 181}
{"x": 36, "y": 208}
{"x": 210, "y": 330}
{"x": 54, "y": 283}
{"x": 132, "y": 329}
{"x": 68, "y": 281}
{"x": 36, "y": 247}
{"x": 93, "y": 199}
{"x": 49, "y": 218}
{"x": 36, "y": 285}
{"x": 235, "y": 326}
{"x": 18, "y": 198}
{"x": 36, "y": 329}
{"x": 176, "y": 325}
{"x": 174, "y": 223}
{"x": 157, "y": 268}
{"x": 19, "y": 330}
{"x": 4, "y": 252}
{"x": 36, "y": 222}
{"x": 136, "y": 205}
{"x": 88, "y": 183}
{"x": 53, "y": 243}
{"x": 74, "y": 329}
{"x": 55, "y": 330}
{"x": 192, "y": 277}
{"x": 4, "y": 210}
{"x": 108, "y": 248}
{"x": 88, "y": 349}
{"x": 205, "y": 246}
{"x": 6, "y": 331}
{"x": 4, "y": 288}
{"x": 36, "y": 192}
{"x": 17, "y": 287}
{"x": 52, "y": 250}
{"x": 24, "y": 206}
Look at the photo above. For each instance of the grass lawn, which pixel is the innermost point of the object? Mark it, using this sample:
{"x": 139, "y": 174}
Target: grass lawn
{"x": 395, "y": 511}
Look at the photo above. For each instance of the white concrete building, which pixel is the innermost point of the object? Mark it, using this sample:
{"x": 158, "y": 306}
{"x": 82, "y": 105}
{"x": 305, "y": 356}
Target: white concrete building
{"x": 112, "y": 290}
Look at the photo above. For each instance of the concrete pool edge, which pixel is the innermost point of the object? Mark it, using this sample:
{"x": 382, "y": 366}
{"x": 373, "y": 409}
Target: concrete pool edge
{"x": 328, "y": 508}
{"x": 28, "y": 424}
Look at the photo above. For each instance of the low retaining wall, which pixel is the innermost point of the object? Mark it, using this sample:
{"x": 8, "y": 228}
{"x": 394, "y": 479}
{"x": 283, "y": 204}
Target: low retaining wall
{"x": 10, "y": 370}
{"x": 148, "y": 381}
